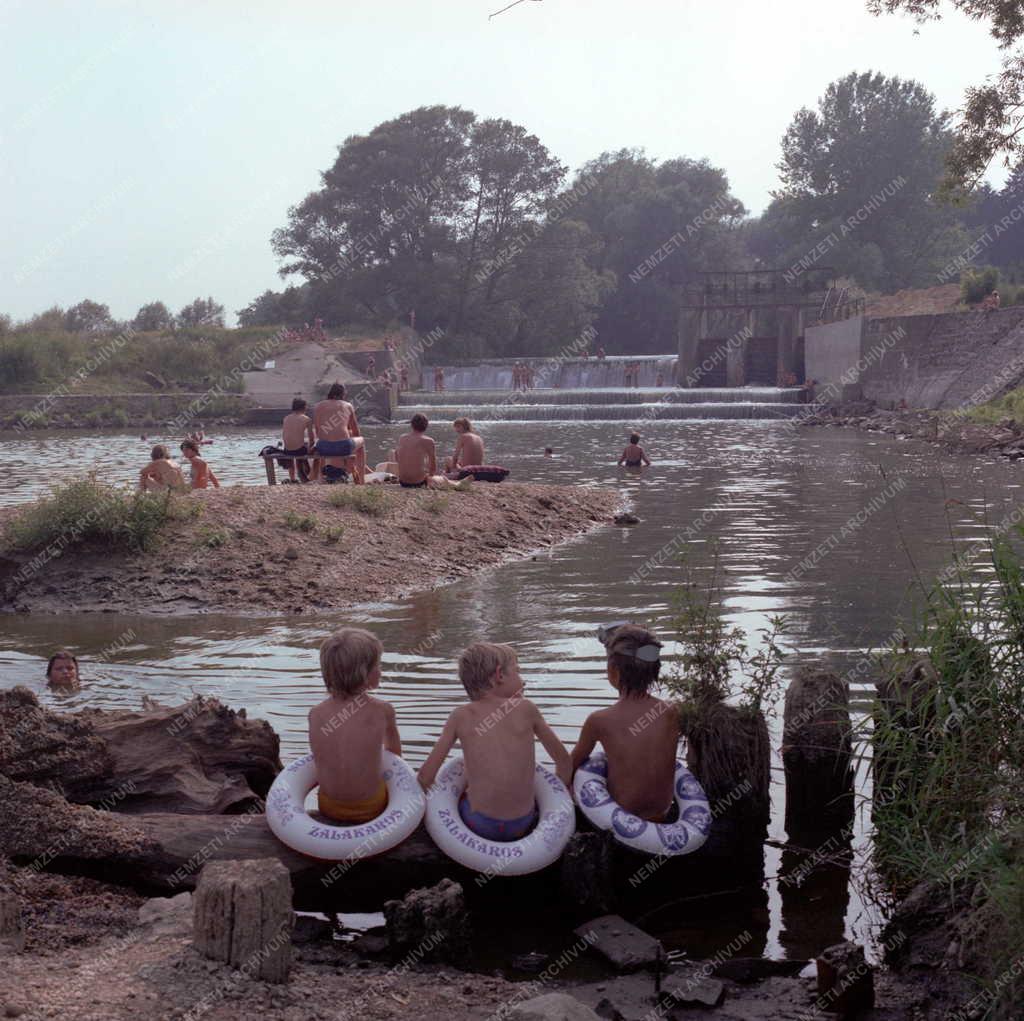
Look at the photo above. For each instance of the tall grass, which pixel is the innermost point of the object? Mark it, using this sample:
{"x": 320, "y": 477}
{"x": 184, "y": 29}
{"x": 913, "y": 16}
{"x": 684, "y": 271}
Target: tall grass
{"x": 86, "y": 510}
{"x": 370, "y": 500}
{"x": 948, "y": 746}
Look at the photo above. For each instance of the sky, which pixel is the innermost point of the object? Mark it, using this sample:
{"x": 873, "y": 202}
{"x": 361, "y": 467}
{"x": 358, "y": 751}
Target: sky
{"x": 149, "y": 149}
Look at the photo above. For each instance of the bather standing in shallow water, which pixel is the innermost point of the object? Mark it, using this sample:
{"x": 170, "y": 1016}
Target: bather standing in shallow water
{"x": 633, "y": 456}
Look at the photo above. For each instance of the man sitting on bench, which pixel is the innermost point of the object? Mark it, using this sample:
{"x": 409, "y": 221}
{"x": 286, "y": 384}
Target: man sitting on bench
{"x": 338, "y": 441}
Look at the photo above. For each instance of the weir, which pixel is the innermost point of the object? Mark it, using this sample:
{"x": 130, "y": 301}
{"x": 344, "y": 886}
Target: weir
{"x": 561, "y": 373}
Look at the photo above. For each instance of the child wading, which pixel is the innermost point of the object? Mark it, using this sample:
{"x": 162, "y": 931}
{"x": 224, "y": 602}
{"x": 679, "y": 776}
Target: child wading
{"x": 496, "y": 729}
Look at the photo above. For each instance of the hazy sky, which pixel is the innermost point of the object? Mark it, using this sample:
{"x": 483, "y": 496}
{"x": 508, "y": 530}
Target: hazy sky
{"x": 148, "y": 149}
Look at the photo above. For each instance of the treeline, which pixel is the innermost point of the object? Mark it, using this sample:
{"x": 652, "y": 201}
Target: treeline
{"x": 476, "y": 228}
{"x": 92, "y": 317}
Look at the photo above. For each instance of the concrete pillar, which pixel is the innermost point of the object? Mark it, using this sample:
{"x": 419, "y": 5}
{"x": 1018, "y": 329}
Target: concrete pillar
{"x": 787, "y": 319}
{"x": 736, "y": 338}
{"x": 691, "y": 328}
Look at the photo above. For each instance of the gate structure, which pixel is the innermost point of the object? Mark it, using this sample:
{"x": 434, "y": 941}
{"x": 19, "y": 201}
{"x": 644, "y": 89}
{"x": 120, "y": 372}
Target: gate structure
{"x": 747, "y": 327}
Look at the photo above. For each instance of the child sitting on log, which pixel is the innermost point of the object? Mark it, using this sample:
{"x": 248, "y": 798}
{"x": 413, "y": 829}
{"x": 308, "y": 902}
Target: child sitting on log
{"x": 496, "y": 728}
{"x": 348, "y": 730}
{"x": 640, "y": 733}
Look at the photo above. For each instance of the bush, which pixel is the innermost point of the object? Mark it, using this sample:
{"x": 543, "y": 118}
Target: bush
{"x": 370, "y": 500}
{"x": 977, "y": 284}
{"x": 333, "y": 534}
{"x": 85, "y": 509}
{"x": 299, "y": 522}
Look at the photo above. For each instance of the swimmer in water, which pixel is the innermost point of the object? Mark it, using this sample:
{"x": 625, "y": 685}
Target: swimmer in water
{"x": 633, "y": 456}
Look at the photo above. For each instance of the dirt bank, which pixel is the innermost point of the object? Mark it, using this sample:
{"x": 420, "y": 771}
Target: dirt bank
{"x": 291, "y": 549}
{"x": 949, "y": 430}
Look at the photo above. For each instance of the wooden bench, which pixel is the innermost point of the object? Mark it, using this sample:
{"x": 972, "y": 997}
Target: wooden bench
{"x": 270, "y": 463}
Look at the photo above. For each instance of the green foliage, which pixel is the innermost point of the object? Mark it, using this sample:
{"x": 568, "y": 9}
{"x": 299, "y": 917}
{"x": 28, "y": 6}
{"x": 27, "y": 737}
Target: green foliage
{"x": 716, "y": 663}
{"x": 212, "y": 538}
{"x": 1010, "y": 405}
{"x": 295, "y": 522}
{"x": 978, "y": 284}
{"x": 152, "y": 317}
{"x": 333, "y": 534}
{"x": 437, "y": 504}
{"x": 89, "y": 317}
{"x": 201, "y": 312}
{"x": 948, "y": 746}
{"x": 370, "y": 500}
{"x": 85, "y": 510}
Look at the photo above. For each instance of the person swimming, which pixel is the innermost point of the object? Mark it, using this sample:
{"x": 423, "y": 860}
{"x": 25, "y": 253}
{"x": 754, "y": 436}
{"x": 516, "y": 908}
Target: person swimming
{"x": 633, "y": 455}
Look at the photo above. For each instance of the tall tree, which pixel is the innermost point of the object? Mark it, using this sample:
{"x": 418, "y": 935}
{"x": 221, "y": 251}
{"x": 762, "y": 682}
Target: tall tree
{"x": 153, "y": 316}
{"x": 201, "y": 312}
{"x": 858, "y": 183}
{"x": 88, "y": 317}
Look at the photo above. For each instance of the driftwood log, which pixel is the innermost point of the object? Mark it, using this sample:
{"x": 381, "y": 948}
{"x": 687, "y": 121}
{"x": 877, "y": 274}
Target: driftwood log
{"x": 198, "y": 757}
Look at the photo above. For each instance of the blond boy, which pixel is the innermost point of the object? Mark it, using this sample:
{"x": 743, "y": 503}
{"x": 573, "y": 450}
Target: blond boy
{"x": 497, "y": 729}
{"x": 349, "y": 728}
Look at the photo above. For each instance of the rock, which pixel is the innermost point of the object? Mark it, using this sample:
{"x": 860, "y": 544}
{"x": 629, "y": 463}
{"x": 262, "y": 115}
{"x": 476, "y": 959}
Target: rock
{"x": 531, "y": 962}
{"x": 167, "y": 916}
{"x": 551, "y": 1007}
{"x": 626, "y": 519}
{"x": 585, "y": 875}
{"x": 752, "y": 969}
{"x": 291, "y": 553}
{"x": 12, "y": 926}
{"x": 700, "y": 992}
{"x": 243, "y": 917}
{"x": 198, "y": 757}
{"x": 846, "y": 983}
{"x": 307, "y": 929}
{"x": 433, "y": 921}
{"x": 620, "y": 943}
{"x": 373, "y": 943}
{"x": 606, "y": 1009}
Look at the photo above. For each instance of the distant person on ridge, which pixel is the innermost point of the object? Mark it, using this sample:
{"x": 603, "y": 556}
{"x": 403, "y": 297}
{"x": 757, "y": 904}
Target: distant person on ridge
{"x": 337, "y": 436}
{"x": 633, "y": 455}
{"x": 469, "y": 447}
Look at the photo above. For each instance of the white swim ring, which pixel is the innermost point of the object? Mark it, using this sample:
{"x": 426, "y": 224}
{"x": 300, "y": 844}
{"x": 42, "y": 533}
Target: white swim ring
{"x": 539, "y": 848}
{"x": 293, "y": 825}
{"x": 685, "y": 835}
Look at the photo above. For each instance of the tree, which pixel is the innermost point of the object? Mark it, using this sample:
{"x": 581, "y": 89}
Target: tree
{"x": 858, "y": 183}
{"x": 154, "y": 316}
{"x": 992, "y": 120}
{"x": 88, "y": 317}
{"x": 201, "y": 312}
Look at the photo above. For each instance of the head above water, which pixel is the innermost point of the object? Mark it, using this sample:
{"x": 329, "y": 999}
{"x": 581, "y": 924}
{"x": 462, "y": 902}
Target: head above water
{"x": 634, "y": 658}
{"x": 419, "y": 422}
{"x": 336, "y": 392}
{"x": 62, "y": 669}
{"x": 634, "y": 438}
{"x": 350, "y": 661}
{"x": 479, "y": 665}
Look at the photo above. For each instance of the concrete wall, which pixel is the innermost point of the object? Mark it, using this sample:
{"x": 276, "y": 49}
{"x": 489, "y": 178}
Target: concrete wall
{"x": 929, "y": 361}
{"x": 141, "y": 409}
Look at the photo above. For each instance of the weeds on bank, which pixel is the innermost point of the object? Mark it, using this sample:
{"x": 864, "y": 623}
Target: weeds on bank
{"x": 372, "y": 501}
{"x": 948, "y": 751}
{"x": 88, "y": 510}
{"x": 333, "y": 534}
{"x": 299, "y": 522}
{"x": 212, "y": 538}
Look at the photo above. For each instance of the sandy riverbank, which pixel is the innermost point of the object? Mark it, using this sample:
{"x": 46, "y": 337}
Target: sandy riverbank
{"x": 291, "y": 549}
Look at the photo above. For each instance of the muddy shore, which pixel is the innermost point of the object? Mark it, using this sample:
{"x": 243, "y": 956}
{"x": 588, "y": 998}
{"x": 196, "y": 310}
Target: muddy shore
{"x": 946, "y": 429}
{"x": 289, "y": 549}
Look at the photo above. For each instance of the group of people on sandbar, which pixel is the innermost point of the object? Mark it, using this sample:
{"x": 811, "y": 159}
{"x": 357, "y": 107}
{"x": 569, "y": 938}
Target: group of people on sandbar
{"x": 497, "y": 729}
{"x": 163, "y": 473}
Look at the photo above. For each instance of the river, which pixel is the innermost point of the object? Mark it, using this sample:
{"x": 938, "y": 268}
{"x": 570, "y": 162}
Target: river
{"x": 865, "y": 515}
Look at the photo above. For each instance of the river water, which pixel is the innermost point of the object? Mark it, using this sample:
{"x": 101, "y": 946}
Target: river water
{"x": 866, "y": 514}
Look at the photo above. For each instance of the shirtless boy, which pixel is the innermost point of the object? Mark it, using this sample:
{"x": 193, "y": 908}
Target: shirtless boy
{"x": 338, "y": 440}
{"x": 161, "y": 473}
{"x": 201, "y": 475}
{"x": 496, "y": 729}
{"x": 348, "y": 730}
{"x": 633, "y": 455}
{"x": 298, "y": 438}
{"x": 416, "y": 455}
{"x": 469, "y": 447}
{"x": 640, "y": 733}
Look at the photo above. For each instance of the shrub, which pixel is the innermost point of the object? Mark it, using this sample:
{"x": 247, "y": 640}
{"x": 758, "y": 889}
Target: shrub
{"x": 212, "y": 538}
{"x": 977, "y": 284}
{"x": 299, "y": 522}
{"x": 371, "y": 500}
{"x": 333, "y": 534}
{"x": 86, "y": 509}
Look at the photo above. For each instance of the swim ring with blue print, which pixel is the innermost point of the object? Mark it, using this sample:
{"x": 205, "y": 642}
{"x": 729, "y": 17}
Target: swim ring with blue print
{"x": 683, "y": 836}
{"x": 321, "y": 838}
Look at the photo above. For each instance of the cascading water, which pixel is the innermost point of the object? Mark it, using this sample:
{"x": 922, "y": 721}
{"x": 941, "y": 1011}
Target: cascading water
{"x": 591, "y": 390}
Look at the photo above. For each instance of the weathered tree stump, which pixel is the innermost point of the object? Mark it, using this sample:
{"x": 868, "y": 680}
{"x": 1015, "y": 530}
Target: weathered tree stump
{"x": 585, "y": 876}
{"x": 816, "y": 754}
{"x": 846, "y": 983}
{"x": 430, "y": 924}
{"x": 243, "y": 917}
{"x": 12, "y": 928}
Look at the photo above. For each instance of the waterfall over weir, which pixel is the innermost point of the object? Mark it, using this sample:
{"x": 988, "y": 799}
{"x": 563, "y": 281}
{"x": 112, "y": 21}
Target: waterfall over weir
{"x": 591, "y": 390}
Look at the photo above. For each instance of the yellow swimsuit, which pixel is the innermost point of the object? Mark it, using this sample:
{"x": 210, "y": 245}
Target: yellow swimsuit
{"x": 354, "y": 811}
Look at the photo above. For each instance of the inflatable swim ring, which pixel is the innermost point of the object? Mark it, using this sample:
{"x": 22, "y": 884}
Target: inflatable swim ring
{"x": 539, "y": 848}
{"x": 686, "y": 834}
{"x": 293, "y": 825}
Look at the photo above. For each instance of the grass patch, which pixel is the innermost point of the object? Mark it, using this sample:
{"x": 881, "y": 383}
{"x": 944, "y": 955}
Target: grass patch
{"x": 333, "y": 534}
{"x": 437, "y": 504}
{"x": 299, "y": 522}
{"x": 1010, "y": 405}
{"x": 212, "y": 538}
{"x": 88, "y": 510}
{"x": 370, "y": 500}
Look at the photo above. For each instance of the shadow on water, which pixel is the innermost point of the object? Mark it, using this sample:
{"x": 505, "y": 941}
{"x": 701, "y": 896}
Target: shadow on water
{"x": 784, "y": 504}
